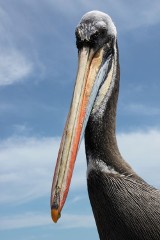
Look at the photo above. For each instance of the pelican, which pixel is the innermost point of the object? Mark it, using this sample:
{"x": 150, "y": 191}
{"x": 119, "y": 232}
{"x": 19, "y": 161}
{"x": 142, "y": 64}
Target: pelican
{"x": 125, "y": 207}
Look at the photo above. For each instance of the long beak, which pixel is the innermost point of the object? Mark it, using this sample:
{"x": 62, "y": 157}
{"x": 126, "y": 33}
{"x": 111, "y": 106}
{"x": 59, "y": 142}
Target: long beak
{"x": 81, "y": 106}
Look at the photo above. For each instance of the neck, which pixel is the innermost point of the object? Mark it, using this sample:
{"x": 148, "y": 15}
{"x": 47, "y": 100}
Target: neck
{"x": 100, "y": 137}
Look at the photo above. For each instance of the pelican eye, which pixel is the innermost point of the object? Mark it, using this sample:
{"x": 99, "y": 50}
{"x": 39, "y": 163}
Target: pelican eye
{"x": 94, "y": 35}
{"x": 102, "y": 31}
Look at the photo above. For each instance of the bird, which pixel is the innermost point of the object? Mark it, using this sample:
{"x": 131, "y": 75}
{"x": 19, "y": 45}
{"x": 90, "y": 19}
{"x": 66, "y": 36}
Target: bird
{"x": 125, "y": 207}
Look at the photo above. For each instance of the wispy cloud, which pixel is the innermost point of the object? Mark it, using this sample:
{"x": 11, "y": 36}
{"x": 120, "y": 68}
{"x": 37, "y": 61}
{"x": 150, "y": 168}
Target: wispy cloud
{"x": 25, "y": 163}
{"x": 33, "y": 219}
{"x": 24, "y": 220}
{"x": 14, "y": 67}
{"x": 27, "y": 168}
{"x": 141, "y": 150}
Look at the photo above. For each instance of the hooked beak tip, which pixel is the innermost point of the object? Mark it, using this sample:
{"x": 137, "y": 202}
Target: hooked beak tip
{"x": 55, "y": 214}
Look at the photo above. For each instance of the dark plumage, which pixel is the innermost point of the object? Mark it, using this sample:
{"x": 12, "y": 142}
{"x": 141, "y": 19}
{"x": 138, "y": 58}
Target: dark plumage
{"x": 125, "y": 207}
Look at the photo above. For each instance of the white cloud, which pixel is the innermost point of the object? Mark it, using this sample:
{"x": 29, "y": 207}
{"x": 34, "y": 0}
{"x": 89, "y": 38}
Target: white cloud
{"x": 33, "y": 219}
{"x": 27, "y": 164}
{"x": 14, "y": 67}
{"x": 141, "y": 150}
{"x": 24, "y": 220}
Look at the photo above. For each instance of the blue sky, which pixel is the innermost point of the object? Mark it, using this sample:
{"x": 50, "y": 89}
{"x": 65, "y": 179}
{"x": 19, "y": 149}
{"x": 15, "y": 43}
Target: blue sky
{"x": 38, "y": 64}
